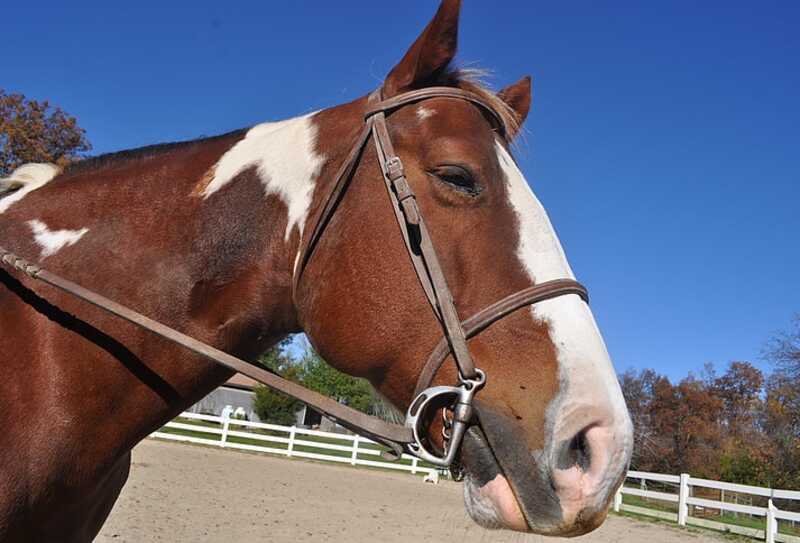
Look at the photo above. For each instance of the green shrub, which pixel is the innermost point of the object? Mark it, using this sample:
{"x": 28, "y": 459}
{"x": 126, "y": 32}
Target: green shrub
{"x": 275, "y": 407}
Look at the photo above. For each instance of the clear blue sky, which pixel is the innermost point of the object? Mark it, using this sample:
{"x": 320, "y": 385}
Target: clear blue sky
{"x": 663, "y": 138}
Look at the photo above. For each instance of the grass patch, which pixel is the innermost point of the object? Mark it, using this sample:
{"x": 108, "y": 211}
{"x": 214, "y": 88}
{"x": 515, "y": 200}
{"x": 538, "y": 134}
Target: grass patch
{"x": 650, "y": 503}
{"x": 691, "y": 529}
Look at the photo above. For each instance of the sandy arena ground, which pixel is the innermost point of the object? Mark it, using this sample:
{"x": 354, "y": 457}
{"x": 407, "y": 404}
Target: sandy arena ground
{"x": 180, "y": 493}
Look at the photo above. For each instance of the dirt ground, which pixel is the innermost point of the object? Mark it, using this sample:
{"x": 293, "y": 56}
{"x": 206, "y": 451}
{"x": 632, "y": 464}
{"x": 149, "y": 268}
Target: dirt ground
{"x": 180, "y": 492}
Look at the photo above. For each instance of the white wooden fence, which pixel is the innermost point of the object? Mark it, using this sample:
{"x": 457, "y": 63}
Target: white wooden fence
{"x": 290, "y": 442}
{"x": 680, "y": 490}
{"x": 673, "y": 497}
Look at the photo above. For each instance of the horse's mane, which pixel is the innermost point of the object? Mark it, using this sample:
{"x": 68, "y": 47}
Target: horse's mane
{"x": 139, "y": 153}
{"x": 469, "y": 79}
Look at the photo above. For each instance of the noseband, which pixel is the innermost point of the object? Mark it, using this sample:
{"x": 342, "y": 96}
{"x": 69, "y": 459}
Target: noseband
{"x": 458, "y": 413}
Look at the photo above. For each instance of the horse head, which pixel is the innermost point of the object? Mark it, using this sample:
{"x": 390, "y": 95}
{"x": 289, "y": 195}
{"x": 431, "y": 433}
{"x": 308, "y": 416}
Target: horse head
{"x": 552, "y": 438}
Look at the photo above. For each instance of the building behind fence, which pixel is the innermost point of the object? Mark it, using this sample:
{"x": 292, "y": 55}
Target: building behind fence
{"x": 238, "y": 393}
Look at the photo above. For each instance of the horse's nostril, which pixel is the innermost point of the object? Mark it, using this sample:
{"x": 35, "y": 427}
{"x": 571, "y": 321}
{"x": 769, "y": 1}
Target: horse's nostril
{"x": 575, "y": 452}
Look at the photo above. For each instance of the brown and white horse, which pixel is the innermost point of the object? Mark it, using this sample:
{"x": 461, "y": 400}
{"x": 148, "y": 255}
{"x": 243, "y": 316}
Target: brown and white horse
{"x": 204, "y": 236}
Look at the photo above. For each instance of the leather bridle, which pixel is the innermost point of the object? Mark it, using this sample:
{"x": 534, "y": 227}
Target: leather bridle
{"x": 429, "y": 271}
{"x": 458, "y": 413}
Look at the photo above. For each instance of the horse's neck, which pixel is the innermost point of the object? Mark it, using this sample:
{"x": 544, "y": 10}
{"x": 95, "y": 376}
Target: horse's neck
{"x": 282, "y": 172}
{"x": 201, "y": 237}
{"x": 255, "y": 204}
{"x": 257, "y": 197}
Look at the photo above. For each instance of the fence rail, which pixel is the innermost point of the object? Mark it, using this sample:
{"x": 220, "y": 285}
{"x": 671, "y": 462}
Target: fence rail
{"x": 674, "y": 498}
{"x": 291, "y": 440}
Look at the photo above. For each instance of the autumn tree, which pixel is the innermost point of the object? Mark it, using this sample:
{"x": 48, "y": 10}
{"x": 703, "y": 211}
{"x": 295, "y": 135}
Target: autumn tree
{"x": 782, "y": 428}
{"x": 685, "y": 420}
{"x": 782, "y": 406}
{"x": 740, "y": 426}
{"x": 637, "y": 388}
{"x": 34, "y": 131}
{"x": 739, "y": 389}
{"x": 744, "y": 451}
{"x": 783, "y": 350}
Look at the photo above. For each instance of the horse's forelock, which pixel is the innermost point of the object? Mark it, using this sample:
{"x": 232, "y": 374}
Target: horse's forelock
{"x": 473, "y": 80}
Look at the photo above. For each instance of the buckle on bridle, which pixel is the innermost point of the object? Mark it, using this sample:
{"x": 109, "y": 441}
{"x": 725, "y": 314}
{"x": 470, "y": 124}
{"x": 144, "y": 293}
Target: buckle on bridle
{"x": 394, "y": 168}
{"x": 461, "y": 407}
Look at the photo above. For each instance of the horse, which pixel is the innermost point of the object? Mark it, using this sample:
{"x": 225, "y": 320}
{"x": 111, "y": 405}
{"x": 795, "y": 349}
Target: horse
{"x": 205, "y": 236}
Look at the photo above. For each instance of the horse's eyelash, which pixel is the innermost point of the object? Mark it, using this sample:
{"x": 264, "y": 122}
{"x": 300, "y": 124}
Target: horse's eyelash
{"x": 473, "y": 188}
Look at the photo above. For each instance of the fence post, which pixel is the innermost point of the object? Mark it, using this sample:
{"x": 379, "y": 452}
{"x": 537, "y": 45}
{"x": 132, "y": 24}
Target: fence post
{"x": 722, "y": 499}
{"x": 618, "y": 500}
{"x": 290, "y": 447}
{"x": 772, "y": 523}
{"x": 354, "y": 456}
{"x": 226, "y": 423}
{"x": 683, "y": 493}
{"x": 414, "y": 463}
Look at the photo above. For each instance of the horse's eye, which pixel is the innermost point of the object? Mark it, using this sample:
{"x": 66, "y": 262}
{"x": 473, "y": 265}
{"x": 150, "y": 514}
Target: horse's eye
{"x": 458, "y": 178}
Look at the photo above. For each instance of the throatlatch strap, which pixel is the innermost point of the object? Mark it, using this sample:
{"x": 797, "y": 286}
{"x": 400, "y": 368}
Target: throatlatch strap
{"x": 325, "y": 212}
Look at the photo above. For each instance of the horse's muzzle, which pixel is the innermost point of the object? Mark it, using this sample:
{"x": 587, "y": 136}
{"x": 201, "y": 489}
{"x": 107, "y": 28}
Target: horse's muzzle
{"x": 564, "y": 492}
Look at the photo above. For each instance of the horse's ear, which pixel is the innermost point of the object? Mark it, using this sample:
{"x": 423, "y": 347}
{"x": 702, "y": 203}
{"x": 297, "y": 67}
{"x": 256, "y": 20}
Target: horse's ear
{"x": 518, "y": 97}
{"x": 429, "y": 55}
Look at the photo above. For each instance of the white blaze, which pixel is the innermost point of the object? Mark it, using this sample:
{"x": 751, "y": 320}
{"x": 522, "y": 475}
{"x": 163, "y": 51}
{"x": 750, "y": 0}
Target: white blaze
{"x": 423, "y": 113}
{"x": 26, "y": 179}
{"x": 589, "y": 384}
{"x": 52, "y": 241}
{"x": 286, "y": 161}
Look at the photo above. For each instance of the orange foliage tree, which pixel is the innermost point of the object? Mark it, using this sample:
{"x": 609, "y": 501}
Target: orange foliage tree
{"x": 34, "y": 131}
{"x": 782, "y": 406}
{"x": 740, "y": 426}
{"x": 685, "y": 420}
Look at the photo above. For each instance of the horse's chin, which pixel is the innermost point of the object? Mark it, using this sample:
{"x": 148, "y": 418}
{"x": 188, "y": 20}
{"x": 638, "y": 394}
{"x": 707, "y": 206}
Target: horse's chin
{"x": 493, "y": 505}
{"x": 488, "y": 496}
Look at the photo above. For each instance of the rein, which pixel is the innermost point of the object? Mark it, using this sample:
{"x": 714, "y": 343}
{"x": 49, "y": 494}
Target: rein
{"x": 410, "y": 437}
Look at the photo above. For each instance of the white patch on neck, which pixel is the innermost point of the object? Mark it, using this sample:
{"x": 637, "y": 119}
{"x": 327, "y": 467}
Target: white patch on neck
{"x": 587, "y": 375}
{"x": 25, "y": 180}
{"x": 423, "y": 113}
{"x": 287, "y": 163}
{"x": 52, "y": 242}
